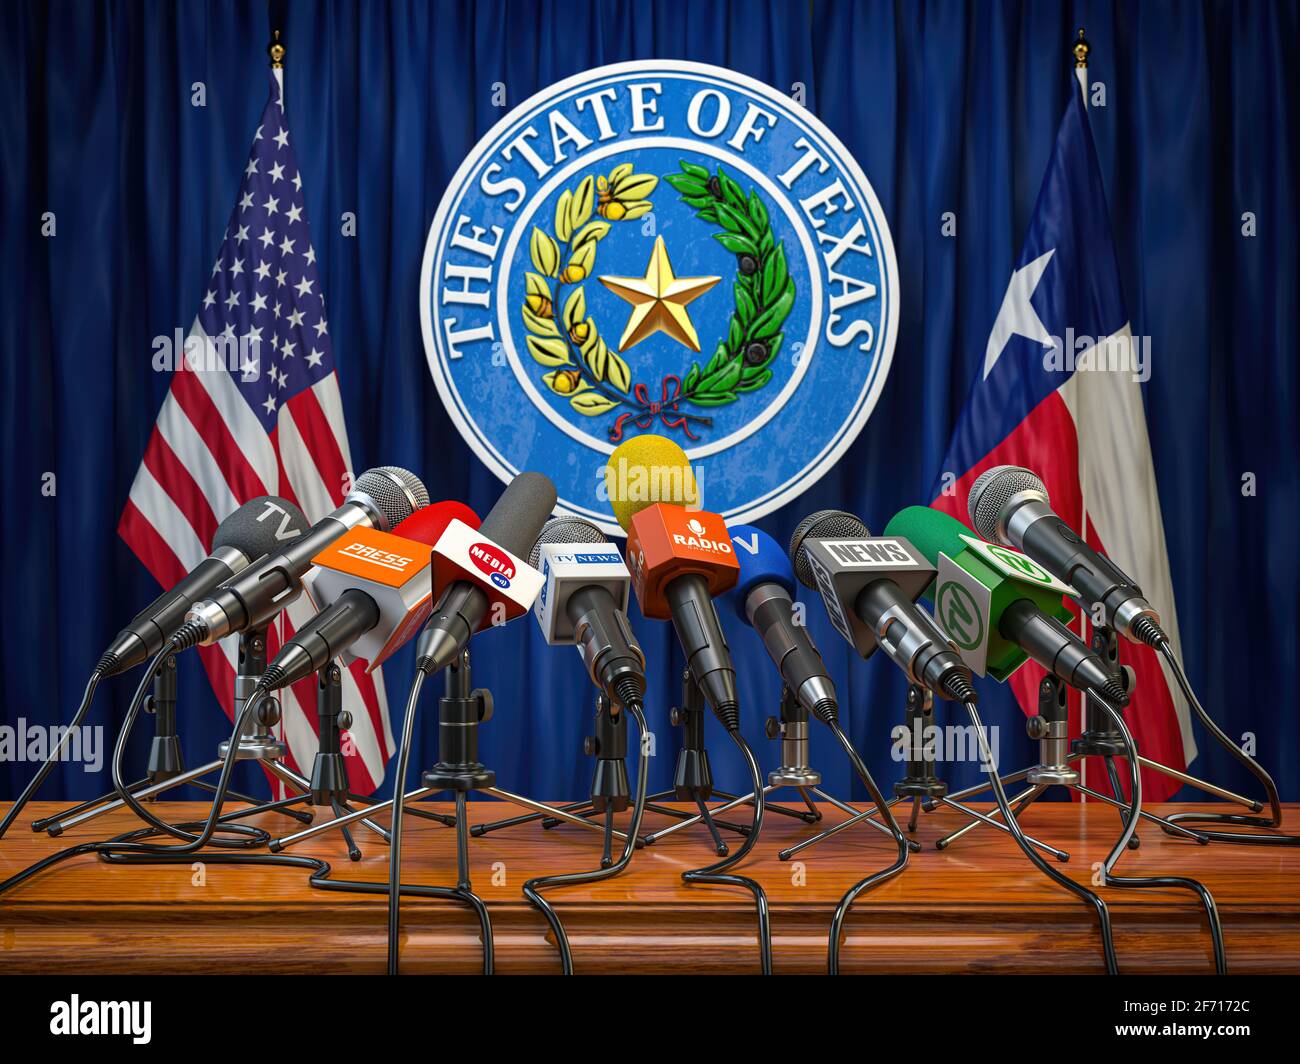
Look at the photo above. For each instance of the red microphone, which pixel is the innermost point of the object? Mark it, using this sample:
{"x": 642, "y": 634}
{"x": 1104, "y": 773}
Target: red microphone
{"x": 374, "y": 590}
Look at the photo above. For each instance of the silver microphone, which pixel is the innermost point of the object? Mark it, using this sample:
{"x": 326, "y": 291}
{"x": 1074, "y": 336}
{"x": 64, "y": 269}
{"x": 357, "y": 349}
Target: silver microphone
{"x": 380, "y": 499}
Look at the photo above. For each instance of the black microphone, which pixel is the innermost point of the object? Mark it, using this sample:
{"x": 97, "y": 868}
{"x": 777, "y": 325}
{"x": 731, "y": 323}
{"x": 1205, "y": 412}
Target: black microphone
{"x": 764, "y": 599}
{"x": 512, "y": 524}
{"x": 258, "y": 528}
{"x": 584, "y": 601}
{"x": 860, "y": 579}
{"x": 1009, "y": 505}
{"x": 380, "y": 499}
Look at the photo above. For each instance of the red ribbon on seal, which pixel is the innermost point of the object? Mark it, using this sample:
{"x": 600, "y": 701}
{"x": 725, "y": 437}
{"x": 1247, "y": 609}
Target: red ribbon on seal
{"x": 651, "y": 409}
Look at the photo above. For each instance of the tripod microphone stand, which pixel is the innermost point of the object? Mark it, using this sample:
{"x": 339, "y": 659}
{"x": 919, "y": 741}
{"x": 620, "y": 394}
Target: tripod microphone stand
{"x": 610, "y": 792}
{"x": 693, "y": 779}
{"x": 166, "y": 763}
{"x": 1058, "y": 756}
{"x": 256, "y": 742}
{"x": 921, "y": 785}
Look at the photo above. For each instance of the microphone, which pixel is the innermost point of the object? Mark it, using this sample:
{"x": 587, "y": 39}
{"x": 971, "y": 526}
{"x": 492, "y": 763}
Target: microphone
{"x": 764, "y": 599}
{"x": 680, "y": 559}
{"x": 380, "y": 499}
{"x": 999, "y": 607}
{"x": 584, "y": 600}
{"x": 375, "y": 593}
{"x": 473, "y": 570}
{"x": 869, "y": 587}
{"x": 1009, "y": 505}
{"x": 256, "y": 529}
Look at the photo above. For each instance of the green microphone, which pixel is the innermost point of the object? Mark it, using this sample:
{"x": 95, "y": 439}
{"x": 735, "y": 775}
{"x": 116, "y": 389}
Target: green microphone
{"x": 999, "y": 606}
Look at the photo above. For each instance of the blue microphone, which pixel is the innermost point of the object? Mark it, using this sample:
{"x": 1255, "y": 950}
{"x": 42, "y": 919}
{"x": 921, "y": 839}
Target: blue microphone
{"x": 764, "y": 599}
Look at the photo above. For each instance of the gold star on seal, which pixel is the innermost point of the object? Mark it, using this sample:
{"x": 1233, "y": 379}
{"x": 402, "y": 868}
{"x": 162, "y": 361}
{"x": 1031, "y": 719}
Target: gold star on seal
{"x": 659, "y": 301}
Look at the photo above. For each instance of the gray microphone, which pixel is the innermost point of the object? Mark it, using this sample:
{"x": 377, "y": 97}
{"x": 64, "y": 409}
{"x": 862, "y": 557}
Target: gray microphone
{"x": 258, "y": 528}
{"x": 380, "y": 499}
{"x": 869, "y": 586}
{"x": 1009, "y": 505}
{"x": 513, "y": 523}
{"x": 584, "y": 602}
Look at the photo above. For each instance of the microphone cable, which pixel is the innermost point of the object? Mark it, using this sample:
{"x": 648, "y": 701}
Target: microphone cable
{"x": 716, "y": 873}
{"x": 1130, "y": 826}
{"x": 48, "y": 764}
{"x": 394, "y": 888}
{"x": 1083, "y": 893}
{"x": 1151, "y": 634}
{"x": 249, "y": 836}
{"x": 533, "y": 888}
{"x": 830, "y": 717}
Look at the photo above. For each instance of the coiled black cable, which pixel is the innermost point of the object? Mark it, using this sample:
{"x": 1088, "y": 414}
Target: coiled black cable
{"x": 394, "y": 888}
{"x": 249, "y": 836}
{"x": 1151, "y": 634}
{"x": 716, "y": 873}
{"x": 319, "y": 879}
{"x": 1077, "y": 889}
{"x": 533, "y": 888}
{"x": 1130, "y": 825}
{"x": 876, "y": 878}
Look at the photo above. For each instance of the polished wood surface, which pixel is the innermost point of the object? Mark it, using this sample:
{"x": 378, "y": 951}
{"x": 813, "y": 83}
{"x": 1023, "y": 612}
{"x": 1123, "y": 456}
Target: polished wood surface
{"x": 977, "y": 907}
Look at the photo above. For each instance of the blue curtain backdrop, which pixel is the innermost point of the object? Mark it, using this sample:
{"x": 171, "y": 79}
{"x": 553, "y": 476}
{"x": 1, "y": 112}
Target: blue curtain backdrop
{"x": 948, "y": 106}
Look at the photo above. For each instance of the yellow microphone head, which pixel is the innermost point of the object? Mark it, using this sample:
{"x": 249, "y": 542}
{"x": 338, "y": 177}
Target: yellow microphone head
{"x": 645, "y": 470}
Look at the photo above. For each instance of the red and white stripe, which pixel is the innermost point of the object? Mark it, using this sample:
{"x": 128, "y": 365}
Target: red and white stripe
{"x": 207, "y": 456}
{"x": 1088, "y": 442}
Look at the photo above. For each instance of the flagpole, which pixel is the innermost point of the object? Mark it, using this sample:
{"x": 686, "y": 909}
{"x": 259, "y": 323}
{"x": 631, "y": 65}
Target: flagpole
{"x": 1080, "y": 51}
{"x": 276, "y": 51}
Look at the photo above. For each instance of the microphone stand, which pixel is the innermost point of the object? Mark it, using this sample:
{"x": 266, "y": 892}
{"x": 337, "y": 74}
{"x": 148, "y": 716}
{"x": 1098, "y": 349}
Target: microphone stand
{"x": 921, "y": 785}
{"x": 256, "y": 743}
{"x": 693, "y": 779}
{"x": 610, "y": 792}
{"x": 1099, "y": 739}
{"x": 460, "y": 712}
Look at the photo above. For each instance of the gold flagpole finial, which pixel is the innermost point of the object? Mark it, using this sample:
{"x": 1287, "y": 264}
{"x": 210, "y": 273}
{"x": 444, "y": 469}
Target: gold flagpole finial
{"x": 276, "y": 51}
{"x": 1081, "y": 49}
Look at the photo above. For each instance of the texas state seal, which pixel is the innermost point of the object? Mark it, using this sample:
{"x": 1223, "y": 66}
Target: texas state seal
{"x": 667, "y": 247}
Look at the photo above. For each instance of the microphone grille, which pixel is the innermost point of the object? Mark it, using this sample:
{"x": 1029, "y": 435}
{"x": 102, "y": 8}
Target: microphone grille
{"x": 824, "y": 524}
{"x": 565, "y": 530}
{"x": 990, "y": 494}
{"x": 397, "y": 492}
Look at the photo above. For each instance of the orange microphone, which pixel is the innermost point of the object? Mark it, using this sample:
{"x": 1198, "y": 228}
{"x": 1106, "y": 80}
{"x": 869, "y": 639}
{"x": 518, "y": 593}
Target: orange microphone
{"x": 374, "y": 592}
{"x": 680, "y": 557}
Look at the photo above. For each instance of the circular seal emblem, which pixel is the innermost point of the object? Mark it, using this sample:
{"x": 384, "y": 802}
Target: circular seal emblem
{"x": 666, "y": 247}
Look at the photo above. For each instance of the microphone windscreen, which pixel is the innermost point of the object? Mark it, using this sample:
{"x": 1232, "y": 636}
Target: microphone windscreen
{"x": 646, "y": 470}
{"x": 930, "y": 531}
{"x": 428, "y": 523}
{"x": 762, "y": 561}
{"x": 824, "y": 524}
{"x": 517, "y": 518}
{"x": 565, "y": 530}
{"x": 261, "y": 526}
{"x": 395, "y": 491}
{"x": 993, "y": 490}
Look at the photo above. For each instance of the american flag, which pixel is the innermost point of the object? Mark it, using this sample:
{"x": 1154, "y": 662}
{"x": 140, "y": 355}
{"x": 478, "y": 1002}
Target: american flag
{"x": 254, "y": 409}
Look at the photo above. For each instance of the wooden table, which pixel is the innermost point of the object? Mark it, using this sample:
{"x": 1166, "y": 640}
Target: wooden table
{"x": 977, "y": 907}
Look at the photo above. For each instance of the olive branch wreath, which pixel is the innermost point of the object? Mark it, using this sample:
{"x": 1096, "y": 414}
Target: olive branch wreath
{"x": 592, "y": 375}
{"x": 764, "y": 290}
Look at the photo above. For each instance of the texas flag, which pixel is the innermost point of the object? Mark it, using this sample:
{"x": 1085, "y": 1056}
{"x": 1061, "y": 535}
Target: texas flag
{"x": 1059, "y": 393}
